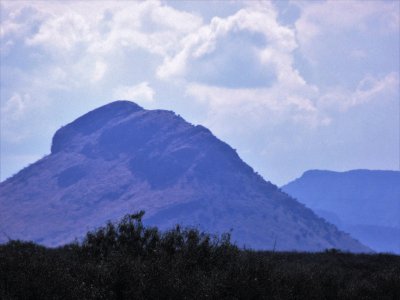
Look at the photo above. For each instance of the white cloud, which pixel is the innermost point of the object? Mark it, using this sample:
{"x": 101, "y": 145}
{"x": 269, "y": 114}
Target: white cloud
{"x": 288, "y": 98}
{"x": 179, "y": 38}
{"x": 254, "y": 19}
{"x": 369, "y": 89}
{"x": 17, "y": 19}
{"x": 148, "y": 25}
{"x": 9, "y": 28}
{"x": 104, "y": 27}
{"x": 319, "y": 18}
{"x": 15, "y": 107}
{"x": 13, "y": 111}
{"x": 178, "y": 21}
{"x": 229, "y": 109}
{"x": 70, "y": 47}
{"x": 62, "y": 32}
{"x": 100, "y": 69}
{"x": 141, "y": 92}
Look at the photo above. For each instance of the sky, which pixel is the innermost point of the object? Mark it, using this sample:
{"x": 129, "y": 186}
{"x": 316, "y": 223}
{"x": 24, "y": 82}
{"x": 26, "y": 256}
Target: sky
{"x": 291, "y": 85}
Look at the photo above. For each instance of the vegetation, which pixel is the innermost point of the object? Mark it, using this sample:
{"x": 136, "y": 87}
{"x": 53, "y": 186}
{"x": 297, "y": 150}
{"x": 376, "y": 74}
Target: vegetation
{"x": 128, "y": 261}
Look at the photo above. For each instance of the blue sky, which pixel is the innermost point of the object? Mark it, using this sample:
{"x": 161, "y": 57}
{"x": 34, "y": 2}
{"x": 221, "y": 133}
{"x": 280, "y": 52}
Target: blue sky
{"x": 291, "y": 85}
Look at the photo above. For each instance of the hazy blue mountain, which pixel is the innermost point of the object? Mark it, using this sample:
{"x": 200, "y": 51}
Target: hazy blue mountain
{"x": 121, "y": 158}
{"x": 365, "y": 203}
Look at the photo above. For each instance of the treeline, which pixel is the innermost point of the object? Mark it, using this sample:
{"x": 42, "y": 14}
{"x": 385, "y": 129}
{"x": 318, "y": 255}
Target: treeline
{"x": 128, "y": 261}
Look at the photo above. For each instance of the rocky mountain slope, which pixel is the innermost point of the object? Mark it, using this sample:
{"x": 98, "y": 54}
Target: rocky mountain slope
{"x": 121, "y": 158}
{"x": 365, "y": 203}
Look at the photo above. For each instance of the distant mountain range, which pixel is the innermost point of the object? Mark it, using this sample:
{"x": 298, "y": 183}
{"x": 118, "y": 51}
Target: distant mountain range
{"x": 364, "y": 203}
{"x": 121, "y": 158}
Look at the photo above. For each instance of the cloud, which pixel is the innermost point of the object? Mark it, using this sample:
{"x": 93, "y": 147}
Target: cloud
{"x": 249, "y": 53}
{"x": 218, "y": 77}
{"x": 100, "y": 69}
{"x": 15, "y": 107}
{"x": 261, "y": 107}
{"x": 104, "y": 27}
{"x": 319, "y": 19}
{"x": 63, "y": 32}
{"x": 141, "y": 92}
{"x": 257, "y": 108}
{"x": 149, "y": 25}
{"x": 13, "y": 111}
{"x": 257, "y": 19}
{"x": 56, "y": 47}
{"x": 368, "y": 89}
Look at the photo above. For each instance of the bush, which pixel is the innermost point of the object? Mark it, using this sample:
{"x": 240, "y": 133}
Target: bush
{"x": 128, "y": 261}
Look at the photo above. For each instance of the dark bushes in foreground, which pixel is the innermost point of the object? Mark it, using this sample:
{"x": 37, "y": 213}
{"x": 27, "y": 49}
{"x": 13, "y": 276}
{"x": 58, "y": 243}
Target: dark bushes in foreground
{"x": 128, "y": 261}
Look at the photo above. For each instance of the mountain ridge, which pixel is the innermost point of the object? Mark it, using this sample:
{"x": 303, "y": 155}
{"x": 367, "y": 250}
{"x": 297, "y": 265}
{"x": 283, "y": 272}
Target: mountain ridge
{"x": 365, "y": 203}
{"x": 121, "y": 158}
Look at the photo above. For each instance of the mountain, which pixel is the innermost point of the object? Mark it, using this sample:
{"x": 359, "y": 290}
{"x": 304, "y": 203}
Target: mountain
{"x": 365, "y": 203}
{"x": 121, "y": 158}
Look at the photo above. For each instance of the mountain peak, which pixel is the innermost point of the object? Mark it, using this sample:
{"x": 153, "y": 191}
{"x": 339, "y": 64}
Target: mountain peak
{"x": 121, "y": 158}
{"x": 92, "y": 121}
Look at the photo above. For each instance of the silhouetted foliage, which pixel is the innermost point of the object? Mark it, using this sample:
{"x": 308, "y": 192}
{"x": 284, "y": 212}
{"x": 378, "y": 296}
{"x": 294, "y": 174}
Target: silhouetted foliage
{"x": 128, "y": 261}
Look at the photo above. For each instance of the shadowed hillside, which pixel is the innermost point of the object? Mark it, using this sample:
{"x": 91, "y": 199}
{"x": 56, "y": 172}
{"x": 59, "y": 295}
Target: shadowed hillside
{"x": 365, "y": 203}
{"x": 121, "y": 157}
